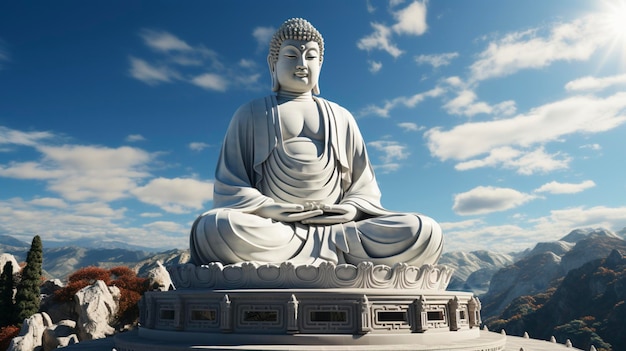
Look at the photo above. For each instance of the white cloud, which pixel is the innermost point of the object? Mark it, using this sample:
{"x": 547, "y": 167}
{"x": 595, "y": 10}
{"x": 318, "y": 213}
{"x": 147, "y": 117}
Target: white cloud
{"x": 30, "y": 170}
{"x": 386, "y": 168}
{"x": 518, "y": 236}
{"x": 595, "y": 147}
{"x": 89, "y": 172}
{"x": 16, "y": 137}
{"x": 576, "y": 40}
{"x": 550, "y": 122}
{"x": 379, "y": 40}
{"x": 247, "y": 63}
{"x": 525, "y": 162}
{"x": 80, "y": 173}
{"x": 411, "y": 19}
{"x": 538, "y": 161}
{"x": 135, "y": 137}
{"x": 409, "y": 102}
{"x": 249, "y": 81}
{"x": 81, "y": 221}
{"x": 565, "y": 188}
{"x": 392, "y": 150}
{"x": 446, "y": 226}
{"x": 436, "y": 60}
{"x": 593, "y": 83}
{"x": 177, "y": 195}
{"x": 198, "y": 146}
{"x": 564, "y": 220}
{"x": 150, "y": 214}
{"x": 410, "y": 127}
{"x": 166, "y": 226}
{"x": 465, "y": 104}
{"x": 178, "y": 61}
{"x": 375, "y": 66}
{"x": 455, "y": 81}
{"x": 149, "y": 74}
{"x": 49, "y": 202}
{"x": 163, "y": 41}
{"x": 98, "y": 209}
{"x": 211, "y": 81}
{"x": 488, "y": 199}
{"x": 263, "y": 35}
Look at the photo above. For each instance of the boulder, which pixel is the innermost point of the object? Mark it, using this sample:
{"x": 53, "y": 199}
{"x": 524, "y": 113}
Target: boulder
{"x": 30, "y": 335}
{"x": 59, "y": 335}
{"x": 159, "y": 279}
{"x": 57, "y": 310}
{"x": 96, "y": 306}
{"x": 4, "y": 258}
{"x": 50, "y": 286}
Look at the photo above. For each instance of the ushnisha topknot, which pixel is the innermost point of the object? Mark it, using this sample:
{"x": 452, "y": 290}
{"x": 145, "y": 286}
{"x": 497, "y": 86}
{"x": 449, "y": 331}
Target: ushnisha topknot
{"x": 295, "y": 29}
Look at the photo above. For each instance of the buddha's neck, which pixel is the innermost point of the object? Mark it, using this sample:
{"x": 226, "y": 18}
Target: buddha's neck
{"x": 289, "y": 96}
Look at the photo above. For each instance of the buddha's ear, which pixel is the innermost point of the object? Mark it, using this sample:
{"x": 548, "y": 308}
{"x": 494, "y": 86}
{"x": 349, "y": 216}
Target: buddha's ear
{"x": 272, "y": 66}
{"x": 316, "y": 88}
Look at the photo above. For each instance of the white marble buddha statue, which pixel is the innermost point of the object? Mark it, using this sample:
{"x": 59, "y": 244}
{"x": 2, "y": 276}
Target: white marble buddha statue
{"x": 294, "y": 181}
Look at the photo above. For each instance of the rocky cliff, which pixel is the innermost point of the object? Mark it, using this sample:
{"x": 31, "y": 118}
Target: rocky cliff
{"x": 587, "y": 306}
{"x": 545, "y": 265}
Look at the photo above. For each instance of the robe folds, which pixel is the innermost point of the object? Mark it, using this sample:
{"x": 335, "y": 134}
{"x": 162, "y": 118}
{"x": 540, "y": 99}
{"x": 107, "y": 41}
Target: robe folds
{"x": 254, "y": 169}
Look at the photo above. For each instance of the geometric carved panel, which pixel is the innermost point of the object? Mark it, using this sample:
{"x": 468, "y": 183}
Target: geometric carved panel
{"x": 327, "y": 319}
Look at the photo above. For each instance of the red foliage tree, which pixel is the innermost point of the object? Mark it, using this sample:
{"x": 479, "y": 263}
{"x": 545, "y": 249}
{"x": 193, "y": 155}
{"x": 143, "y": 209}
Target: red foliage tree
{"x": 131, "y": 287}
{"x": 7, "y": 334}
{"x": 80, "y": 279}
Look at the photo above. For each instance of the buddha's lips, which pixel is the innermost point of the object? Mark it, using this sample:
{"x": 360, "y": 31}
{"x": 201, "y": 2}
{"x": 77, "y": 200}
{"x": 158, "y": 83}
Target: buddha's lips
{"x": 301, "y": 74}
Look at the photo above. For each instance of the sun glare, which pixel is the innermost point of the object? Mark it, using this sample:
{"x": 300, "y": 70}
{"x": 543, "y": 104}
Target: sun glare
{"x": 616, "y": 18}
{"x": 612, "y": 25}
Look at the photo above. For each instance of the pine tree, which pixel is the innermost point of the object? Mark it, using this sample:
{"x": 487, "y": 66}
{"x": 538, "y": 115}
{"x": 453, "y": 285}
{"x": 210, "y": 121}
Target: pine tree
{"x": 6, "y": 295}
{"x": 28, "y": 296}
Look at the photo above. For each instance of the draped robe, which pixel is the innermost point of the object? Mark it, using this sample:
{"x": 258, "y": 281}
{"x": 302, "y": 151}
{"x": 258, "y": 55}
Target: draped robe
{"x": 255, "y": 169}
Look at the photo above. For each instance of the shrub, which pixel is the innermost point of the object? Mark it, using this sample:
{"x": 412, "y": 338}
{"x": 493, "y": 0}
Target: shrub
{"x": 131, "y": 287}
{"x": 7, "y": 334}
{"x": 80, "y": 279}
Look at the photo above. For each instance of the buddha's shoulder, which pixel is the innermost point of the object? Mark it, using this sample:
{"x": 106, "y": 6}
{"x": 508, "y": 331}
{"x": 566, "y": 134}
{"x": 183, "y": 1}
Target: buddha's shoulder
{"x": 257, "y": 107}
{"x": 334, "y": 106}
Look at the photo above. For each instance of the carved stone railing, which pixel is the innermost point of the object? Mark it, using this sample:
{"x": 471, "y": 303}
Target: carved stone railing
{"x": 326, "y": 275}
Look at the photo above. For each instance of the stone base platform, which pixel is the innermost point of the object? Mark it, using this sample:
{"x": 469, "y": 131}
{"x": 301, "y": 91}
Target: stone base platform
{"x": 471, "y": 340}
{"x": 310, "y": 319}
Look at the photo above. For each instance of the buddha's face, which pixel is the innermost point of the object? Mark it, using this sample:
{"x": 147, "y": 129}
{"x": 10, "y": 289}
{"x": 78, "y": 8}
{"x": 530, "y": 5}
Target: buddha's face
{"x": 298, "y": 66}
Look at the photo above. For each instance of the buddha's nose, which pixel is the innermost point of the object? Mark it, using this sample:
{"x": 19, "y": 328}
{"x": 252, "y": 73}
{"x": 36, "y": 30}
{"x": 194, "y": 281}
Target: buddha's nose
{"x": 301, "y": 61}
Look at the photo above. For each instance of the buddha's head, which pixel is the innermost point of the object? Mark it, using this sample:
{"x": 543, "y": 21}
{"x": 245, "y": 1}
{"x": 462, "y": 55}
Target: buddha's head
{"x": 295, "y": 57}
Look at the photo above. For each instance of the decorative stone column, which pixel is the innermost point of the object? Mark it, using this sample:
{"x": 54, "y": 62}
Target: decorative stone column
{"x": 226, "y": 321}
{"x": 420, "y": 315}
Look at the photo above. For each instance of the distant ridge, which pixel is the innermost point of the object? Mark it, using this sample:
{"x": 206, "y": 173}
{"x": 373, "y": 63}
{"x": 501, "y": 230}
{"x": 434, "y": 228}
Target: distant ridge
{"x": 542, "y": 267}
{"x": 585, "y": 233}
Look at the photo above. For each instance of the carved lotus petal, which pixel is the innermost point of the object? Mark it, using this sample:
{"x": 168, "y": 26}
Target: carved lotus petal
{"x": 412, "y": 274}
{"x": 346, "y": 272}
{"x": 307, "y": 273}
{"x": 382, "y": 273}
{"x": 268, "y": 272}
{"x": 233, "y": 273}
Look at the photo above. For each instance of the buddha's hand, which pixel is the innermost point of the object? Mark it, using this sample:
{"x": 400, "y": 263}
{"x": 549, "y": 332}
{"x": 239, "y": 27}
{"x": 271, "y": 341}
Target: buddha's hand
{"x": 334, "y": 214}
{"x": 287, "y": 212}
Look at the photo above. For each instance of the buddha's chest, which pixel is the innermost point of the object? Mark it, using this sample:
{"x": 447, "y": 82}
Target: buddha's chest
{"x": 301, "y": 119}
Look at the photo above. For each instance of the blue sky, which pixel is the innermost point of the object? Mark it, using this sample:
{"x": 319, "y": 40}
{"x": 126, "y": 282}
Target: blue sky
{"x": 503, "y": 120}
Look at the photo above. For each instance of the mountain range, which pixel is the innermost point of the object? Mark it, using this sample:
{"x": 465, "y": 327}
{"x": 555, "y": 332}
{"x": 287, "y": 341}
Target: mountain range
{"x": 473, "y": 270}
